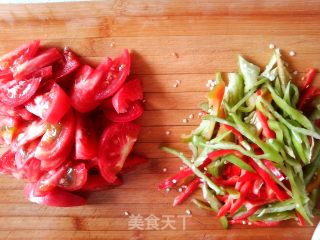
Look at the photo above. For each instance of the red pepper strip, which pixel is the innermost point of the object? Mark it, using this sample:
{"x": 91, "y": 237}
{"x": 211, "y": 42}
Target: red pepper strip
{"x": 223, "y": 152}
{"x": 189, "y": 190}
{"x": 229, "y": 182}
{"x": 317, "y": 123}
{"x": 307, "y": 95}
{"x": 281, "y": 195}
{"x": 226, "y": 207}
{"x": 179, "y": 176}
{"x": 301, "y": 220}
{"x": 248, "y": 176}
{"x": 266, "y": 131}
{"x": 258, "y": 223}
{"x": 247, "y": 214}
{"x": 273, "y": 169}
{"x": 245, "y": 188}
{"x": 309, "y": 78}
{"x": 257, "y": 185}
{"x": 234, "y": 131}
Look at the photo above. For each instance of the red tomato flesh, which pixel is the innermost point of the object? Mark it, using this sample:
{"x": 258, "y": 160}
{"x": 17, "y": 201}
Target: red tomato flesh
{"x": 134, "y": 111}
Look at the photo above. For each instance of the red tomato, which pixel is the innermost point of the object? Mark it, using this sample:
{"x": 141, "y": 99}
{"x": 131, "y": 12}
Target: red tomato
{"x": 57, "y": 139}
{"x": 50, "y": 105}
{"x": 48, "y": 165}
{"x": 132, "y": 162}
{"x": 98, "y": 183}
{"x": 44, "y": 73}
{"x": 115, "y": 145}
{"x": 33, "y": 170}
{"x": 86, "y": 145}
{"x": 56, "y": 197}
{"x": 16, "y": 112}
{"x": 31, "y": 132}
{"x": 8, "y": 162}
{"x": 135, "y": 111}
{"x": 5, "y": 75}
{"x": 68, "y": 64}
{"x": 117, "y": 75}
{"x": 16, "y": 92}
{"x": 8, "y": 128}
{"x": 86, "y": 85}
{"x": 74, "y": 178}
{"x": 130, "y": 92}
{"x": 19, "y": 55}
{"x": 25, "y": 153}
{"x": 43, "y": 59}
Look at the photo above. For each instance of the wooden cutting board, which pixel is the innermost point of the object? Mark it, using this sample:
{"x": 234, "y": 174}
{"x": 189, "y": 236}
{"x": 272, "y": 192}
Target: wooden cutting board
{"x": 205, "y": 36}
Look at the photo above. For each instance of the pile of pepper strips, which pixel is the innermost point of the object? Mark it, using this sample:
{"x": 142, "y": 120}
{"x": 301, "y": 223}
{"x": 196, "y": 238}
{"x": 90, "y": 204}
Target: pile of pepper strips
{"x": 255, "y": 154}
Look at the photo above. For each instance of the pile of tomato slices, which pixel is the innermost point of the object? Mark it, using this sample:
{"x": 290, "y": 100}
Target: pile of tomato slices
{"x": 67, "y": 126}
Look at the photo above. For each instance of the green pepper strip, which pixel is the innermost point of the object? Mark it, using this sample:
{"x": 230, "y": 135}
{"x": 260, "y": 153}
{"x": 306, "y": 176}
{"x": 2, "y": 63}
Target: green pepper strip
{"x": 273, "y": 217}
{"x": 286, "y": 205}
{"x": 196, "y": 171}
{"x": 240, "y": 163}
{"x": 292, "y": 112}
{"x": 311, "y": 169}
{"x": 295, "y": 97}
{"x": 286, "y": 95}
{"x": 287, "y": 124}
{"x": 297, "y": 143}
{"x": 270, "y": 153}
{"x": 275, "y": 126}
{"x": 214, "y": 204}
{"x": 297, "y": 193}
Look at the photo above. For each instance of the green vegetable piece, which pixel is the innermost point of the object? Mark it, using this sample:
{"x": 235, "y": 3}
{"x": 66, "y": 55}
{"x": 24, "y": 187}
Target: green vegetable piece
{"x": 250, "y": 73}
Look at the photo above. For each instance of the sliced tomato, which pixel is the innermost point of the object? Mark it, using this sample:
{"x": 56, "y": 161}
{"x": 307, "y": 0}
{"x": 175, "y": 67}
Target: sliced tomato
{"x": 8, "y": 128}
{"x": 30, "y": 132}
{"x": 16, "y": 112}
{"x": 45, "y": 58}
{"x": 8, "y": 164}
{"x": 115, "y": 145}
{"x": 97, "y": 183}
{"x": 5, "y": 75}
{"x": 86, "y": 145}
{"x": 85, "y": 86}
{"x": 33, "y": 170}
{"x": 56, "y": 197}
{"x": 44, "y": 73}
{"x": 50, "y": 105}
{"x": 19, "y": 55}
{"x": 74, "y": 178}
{"x": 114, "y": 79}
{"x": 67, "y": 65}
{"x": 25, "y": 153}
{"x": 57, "y": 139}
{"x": 16, "y": 92}
{"x": 135, "y": 111}
{"x": 130, "y": 92}
{"x": 132, "y": 162}
{"x": 48, "y": 165}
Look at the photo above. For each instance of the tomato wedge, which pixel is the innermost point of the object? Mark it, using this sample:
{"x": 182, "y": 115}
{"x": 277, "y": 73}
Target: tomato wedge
{"x": 132, "y": 162}
{"x": 44, "y": 59}
{"x": 117, "y": 75}
{"x": 115, "y": 145}
{"x": 86, "y": 85}
{"x": 86, "y": 145}
{"x": 97, "y": 183}
{"x": 33, "y": 170}
{"x": 56, "y": 197}
{"x": 130, "y": 92}
{"x": 135, "y": 110}
{"x": 8, "y": 128}
{"x": 19, "y": 55}
{"x": 25, "y": 153}
{"x": 74, "y": 178}
{"x": 67, "y": 65}
{"x": 50, "y": 105}
{"x": 44, "y": 73}
{"x": 8, "y": 162}
{"x": 57, "y": 139}
{"x": 16, "y": 92}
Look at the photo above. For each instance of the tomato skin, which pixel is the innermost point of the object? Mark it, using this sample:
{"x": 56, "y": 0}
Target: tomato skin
{"x": 113, "y": 80}
{"x": 135, "y": 111}
{"x": 7, "y": 160}
{"x": 128, "y": 93}
{"x": 43, "y": 59}
{"x": 14, "y": 93}
{"x": 86, "y": 144}
{"x": 33, "y": 170}
{"x": 19, "y": 55}
{"x": 116, "y": 143}
{"x": 98, "y": 183}
{"x": 57, "y": 139}
{"x": 75, "y": 177}
{"x": 85, "y": 86}
{"x": 132, "y": 162}
{"x": 67, "y": 65}
{"x": 25, "y": 153}
{"x": 50, "y": 105}
{"x": 56, "y": 197}
{"x": 44, "y": 73}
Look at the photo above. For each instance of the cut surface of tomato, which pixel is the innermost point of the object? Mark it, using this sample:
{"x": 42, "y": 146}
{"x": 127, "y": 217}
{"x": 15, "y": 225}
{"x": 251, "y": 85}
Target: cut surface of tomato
{"x": 130, "y": 92}
{"x": 86, "y": 144}
{"x": 74, "y": 178}
{"x": 115, "y": 145}
{"x": 117, "y": 75}
{"x": 50, "y": 105}
{"x": 67, "y": 65}
{"x": 57, "y": 139}
{"x": 135, "y": 110}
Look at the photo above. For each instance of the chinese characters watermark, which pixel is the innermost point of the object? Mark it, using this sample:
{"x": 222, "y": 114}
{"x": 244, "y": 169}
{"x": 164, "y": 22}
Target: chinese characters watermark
{"x": 152, "y": 222}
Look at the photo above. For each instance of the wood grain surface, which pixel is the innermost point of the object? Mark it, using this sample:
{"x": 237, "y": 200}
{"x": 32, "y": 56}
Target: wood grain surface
{"x": 207, "y": 36}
